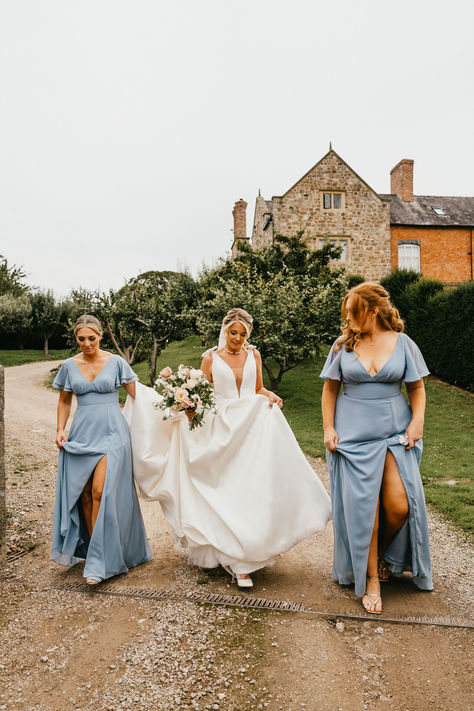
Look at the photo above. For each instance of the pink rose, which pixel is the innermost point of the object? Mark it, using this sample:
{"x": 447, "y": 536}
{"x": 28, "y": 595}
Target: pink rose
{"x": 166, "y": 372}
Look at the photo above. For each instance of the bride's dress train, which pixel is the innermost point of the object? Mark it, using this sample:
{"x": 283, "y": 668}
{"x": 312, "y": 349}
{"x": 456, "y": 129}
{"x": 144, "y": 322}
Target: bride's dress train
{"x": 237, "y": 491}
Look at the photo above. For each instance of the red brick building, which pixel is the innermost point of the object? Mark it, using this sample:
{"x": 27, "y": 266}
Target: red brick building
{"x": 430, "y": 234}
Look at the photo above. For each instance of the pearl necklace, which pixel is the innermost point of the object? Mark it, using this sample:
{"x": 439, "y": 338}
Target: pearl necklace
{"x": 232, "y": 352}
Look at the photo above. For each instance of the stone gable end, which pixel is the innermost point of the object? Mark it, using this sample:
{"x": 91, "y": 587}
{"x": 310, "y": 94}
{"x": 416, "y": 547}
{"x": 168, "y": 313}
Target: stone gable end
{"x": 362, "y": 223}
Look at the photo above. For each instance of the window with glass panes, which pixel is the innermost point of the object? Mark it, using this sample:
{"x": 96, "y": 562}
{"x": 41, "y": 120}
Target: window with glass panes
{"x": 409, "y": 256}
{"x": 332, "y": 201}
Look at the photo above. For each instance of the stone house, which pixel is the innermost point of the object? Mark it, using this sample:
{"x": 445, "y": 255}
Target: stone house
{"x": 375, "y": 231}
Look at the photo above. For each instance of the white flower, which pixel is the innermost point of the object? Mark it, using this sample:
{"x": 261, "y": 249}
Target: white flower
{"x": 181, "y": 395}
{"x": 403, "y": 439}
{"x": 195, "y": 374}
{"x": 191, "y": 383}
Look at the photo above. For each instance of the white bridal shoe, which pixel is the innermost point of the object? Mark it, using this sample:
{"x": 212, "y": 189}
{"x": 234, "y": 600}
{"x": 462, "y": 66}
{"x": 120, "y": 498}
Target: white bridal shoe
{"x": 244, "y": 582}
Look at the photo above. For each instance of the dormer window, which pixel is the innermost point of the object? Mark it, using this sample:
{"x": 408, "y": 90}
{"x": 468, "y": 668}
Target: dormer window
{"x": 331, "y": 200}
{"x": 439, "y": 211}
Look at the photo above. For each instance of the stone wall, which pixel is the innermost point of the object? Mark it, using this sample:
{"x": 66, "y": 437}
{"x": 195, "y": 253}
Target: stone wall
{"x": 363, "y": 222}
{"x": 3, "y": 510}
{"x": 262, "y": 231}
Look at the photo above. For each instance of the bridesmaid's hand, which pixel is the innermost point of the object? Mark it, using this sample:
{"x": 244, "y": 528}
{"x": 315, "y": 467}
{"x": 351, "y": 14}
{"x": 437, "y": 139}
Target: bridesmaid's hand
{"x": 331, "y": 439}
{"x": 414, "y": 433}
{"x": 60, "y": 438}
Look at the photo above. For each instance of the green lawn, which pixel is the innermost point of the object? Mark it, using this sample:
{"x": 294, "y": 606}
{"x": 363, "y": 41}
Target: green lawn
{"x": 8, "y": 358}
{"x": 448, "y": 428}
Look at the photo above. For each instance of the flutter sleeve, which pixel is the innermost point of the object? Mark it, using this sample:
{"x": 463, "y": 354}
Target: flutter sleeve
{"x": 332, "y": 366}
{"x": 124, "y": 373}
{"x": 415, "y": 366}
{"x": 62, "y": 380}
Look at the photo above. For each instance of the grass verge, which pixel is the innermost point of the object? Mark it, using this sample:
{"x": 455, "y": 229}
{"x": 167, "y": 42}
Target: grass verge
{"x": 9, "y": 358}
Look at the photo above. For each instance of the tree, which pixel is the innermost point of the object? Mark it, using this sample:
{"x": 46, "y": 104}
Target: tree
{"x": 11, "y": 278}
{"x": 118, "y": 312}
{"x": 46, "y": 314}
{"x": 163, "y": 301}
{"x": 292, "y": 293}
{"x": 15, "y": 317}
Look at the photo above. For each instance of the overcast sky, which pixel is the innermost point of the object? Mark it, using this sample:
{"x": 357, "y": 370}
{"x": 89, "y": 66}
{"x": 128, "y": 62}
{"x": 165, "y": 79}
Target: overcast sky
{"x": 129, "y": 129}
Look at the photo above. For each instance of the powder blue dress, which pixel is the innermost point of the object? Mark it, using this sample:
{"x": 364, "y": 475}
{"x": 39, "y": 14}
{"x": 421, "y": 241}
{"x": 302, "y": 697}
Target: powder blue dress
{"x": 118, "y": 541}
{"x": 371, "y": 415}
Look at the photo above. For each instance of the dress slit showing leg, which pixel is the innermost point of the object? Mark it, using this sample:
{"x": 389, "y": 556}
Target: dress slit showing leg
{"x": 103, "y": 485}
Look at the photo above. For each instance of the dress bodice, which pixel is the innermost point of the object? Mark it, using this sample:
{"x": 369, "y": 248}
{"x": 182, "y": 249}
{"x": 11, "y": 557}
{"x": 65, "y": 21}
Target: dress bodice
{"x": 405, "y": 364}
{"x": 115, "y": 373}
{"x": 225, "y": 386}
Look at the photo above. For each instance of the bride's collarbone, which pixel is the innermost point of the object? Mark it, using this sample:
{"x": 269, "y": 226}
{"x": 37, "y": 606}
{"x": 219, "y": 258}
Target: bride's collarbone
{"x": 235, "y": 362}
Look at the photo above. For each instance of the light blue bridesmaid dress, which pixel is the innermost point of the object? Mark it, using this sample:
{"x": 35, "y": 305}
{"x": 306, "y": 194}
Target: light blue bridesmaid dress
{"x": 371, "y": 416}
{"x": 118, "y": 541}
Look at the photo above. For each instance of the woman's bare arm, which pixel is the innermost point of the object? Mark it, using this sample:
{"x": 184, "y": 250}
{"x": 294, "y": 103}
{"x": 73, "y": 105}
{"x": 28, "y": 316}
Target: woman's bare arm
{"x": 328, "y": 406}
{"x": 64, "y": 410}
{"x": 206, "y": 366}
{"x": 417, "y": 397}
{"x": 130, "y": 388}
{"x": 259, "y": 389}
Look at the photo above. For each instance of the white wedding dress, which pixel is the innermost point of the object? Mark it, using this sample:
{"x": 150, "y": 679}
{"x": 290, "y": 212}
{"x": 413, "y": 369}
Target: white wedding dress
{"x": 238, "y": 490}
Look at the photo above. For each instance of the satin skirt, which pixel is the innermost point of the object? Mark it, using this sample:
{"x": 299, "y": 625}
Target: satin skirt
{"x": 118, "y": 541}
{"x": 368, "y": 427}
{"x": 236, "y": 492}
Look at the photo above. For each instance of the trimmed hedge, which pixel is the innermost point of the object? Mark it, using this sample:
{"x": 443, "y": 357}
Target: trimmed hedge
{"x": 440, "y": 321}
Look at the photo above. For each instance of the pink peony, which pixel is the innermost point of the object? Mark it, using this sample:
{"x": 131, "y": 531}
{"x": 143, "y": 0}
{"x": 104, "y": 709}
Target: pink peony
{"x": 166, "y": 372}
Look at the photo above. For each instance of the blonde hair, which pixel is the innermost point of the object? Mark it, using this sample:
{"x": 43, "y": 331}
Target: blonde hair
{"x": 88, "y": 321}
{"x": 238, "y": 316}
{"x": 367, "y": 297}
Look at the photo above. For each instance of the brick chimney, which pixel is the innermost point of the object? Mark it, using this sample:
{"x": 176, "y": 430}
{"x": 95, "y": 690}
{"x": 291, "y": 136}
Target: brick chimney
{"x": 240, "y": 219}
{"x": 240, "y": 224}
{"x": 401, "y": 179}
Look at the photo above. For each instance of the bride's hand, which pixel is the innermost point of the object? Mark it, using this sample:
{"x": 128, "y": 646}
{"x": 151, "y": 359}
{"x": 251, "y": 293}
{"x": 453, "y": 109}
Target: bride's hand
{"x": 274, "y": 399}
{"x": 190, "y": 414}
{"x": 331, "y": 439}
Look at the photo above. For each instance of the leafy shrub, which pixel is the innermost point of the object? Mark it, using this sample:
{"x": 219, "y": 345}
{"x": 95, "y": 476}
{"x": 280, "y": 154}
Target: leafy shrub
{"x": 354, "y": 279}
{"x": 449, "y": 349}
{"x": 396, "y": 283}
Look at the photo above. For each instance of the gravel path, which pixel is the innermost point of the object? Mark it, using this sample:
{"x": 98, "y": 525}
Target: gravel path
{"x": 61, "y": 649}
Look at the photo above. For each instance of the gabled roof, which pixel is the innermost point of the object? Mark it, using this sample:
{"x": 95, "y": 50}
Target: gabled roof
{"x": 420, "y": 211}
{"x": 333, "y": 152}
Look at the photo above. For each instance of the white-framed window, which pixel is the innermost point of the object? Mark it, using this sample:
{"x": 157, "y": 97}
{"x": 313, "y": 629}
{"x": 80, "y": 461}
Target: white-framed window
{"x": 409, "y": 255}
{"x": 342, "y": 242}
{"x": 332, "y": 200}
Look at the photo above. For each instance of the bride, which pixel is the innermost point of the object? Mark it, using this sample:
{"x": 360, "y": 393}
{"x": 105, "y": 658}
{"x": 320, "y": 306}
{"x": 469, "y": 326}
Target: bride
{"x": 237, "y": 491}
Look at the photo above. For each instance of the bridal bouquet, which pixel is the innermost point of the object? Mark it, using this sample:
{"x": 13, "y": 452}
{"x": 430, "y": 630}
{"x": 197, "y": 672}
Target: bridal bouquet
{"x": 186, "y": 389}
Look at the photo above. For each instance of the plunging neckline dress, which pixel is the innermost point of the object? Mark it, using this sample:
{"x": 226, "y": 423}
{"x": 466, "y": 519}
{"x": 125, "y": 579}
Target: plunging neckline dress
{"x": 237, "y": 491}
{"x": 371, "y": 416}
{"x": 118, "y": 541}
